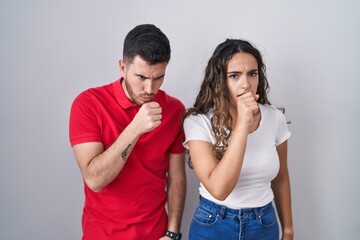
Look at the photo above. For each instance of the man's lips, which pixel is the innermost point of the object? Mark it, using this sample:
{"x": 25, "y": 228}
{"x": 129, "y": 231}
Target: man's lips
{"x": 147, "y": 97}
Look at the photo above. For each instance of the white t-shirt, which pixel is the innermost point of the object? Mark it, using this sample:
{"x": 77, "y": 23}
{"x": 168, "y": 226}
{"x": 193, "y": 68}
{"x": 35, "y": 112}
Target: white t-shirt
{"x": 261, "y": 161}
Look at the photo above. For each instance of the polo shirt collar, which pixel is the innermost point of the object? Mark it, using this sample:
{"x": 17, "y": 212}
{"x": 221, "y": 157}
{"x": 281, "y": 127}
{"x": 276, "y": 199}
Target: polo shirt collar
{"x": 121, "y": 97}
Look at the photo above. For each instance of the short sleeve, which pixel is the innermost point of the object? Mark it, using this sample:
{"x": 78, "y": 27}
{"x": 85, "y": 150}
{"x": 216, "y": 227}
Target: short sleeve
{"x": 283, "y": 132}
{"x": 197, "y": 127}
{"x": 177, "y": 146}
{"x": 83, "y": 124}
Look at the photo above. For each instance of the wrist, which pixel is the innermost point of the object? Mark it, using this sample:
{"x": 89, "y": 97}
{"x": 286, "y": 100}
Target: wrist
{"x": 172, "y": 235}
{"x": 288, "y": 232}
{"x": 133, "y": 130}
{"x": 240, "y": 130}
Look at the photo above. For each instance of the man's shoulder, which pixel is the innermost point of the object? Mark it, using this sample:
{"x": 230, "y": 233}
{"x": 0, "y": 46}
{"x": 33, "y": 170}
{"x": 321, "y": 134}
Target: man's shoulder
{"x": 96, "y": 91}
{"x": 167, "y": 99}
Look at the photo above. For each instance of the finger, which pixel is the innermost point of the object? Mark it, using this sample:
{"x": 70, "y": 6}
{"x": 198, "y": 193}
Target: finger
{"x": 254, "y": 108}
{"x": 248, "y": 97}
{"x": 153, "y": 104}
{"x": 156, "y": 110}
{"x": 157, "y": 117}
{"x": 156, "y": 124}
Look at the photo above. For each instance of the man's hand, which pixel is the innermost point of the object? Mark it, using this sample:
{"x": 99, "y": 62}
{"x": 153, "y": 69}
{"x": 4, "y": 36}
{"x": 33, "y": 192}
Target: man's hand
{"x": 148, "y": 118}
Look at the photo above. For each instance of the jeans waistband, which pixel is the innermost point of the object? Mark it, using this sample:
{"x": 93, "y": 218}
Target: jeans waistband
{"x": 230, "y": 212}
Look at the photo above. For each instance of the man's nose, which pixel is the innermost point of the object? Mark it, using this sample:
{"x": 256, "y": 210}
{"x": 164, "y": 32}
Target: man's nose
{"x": 149, "y": 84}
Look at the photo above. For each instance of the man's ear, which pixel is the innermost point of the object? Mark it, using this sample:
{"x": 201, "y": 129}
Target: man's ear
{"x": 122, "y": 66}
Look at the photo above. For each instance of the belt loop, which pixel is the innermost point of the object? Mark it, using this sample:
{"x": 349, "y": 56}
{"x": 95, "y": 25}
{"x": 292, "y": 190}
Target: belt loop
{"x": 222, "y": 211}
{"x": 257, "y": 213}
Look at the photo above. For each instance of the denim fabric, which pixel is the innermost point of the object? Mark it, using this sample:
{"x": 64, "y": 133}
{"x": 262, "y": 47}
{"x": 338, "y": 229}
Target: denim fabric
{"x": 213, "y": 221}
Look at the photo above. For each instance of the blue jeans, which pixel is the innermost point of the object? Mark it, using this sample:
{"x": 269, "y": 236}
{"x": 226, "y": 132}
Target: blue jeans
{"x": 214, "y": 221}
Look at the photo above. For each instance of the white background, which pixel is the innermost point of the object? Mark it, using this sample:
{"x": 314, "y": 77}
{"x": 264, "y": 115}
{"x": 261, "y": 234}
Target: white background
{"x": 52, "y": 50}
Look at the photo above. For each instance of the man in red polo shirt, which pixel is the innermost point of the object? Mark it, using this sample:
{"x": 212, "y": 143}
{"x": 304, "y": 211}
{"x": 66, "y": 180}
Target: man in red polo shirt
{"x": 127, "y": 141}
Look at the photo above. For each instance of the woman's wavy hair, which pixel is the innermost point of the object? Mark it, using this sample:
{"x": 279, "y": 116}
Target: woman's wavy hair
{"x": 214, "y": 93}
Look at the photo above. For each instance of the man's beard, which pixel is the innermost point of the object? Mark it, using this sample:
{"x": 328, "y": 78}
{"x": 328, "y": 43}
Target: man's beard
{"x": 136, "y": 98}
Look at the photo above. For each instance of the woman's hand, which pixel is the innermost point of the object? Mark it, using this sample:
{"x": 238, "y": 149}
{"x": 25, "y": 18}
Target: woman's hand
{"x": 246, "y": 108}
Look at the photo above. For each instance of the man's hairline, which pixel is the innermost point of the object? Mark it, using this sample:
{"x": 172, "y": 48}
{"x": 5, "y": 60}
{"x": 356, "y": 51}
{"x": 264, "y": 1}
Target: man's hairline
{"x": 126, "y": 60}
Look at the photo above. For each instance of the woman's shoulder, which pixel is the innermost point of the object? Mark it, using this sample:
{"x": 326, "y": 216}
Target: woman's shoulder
{"x": 267, "y": 107}
{"x": 200, "y": 119}
{"x": 270, "y": 109}
{"x": 273, "y": 114}
{"x": 204, "y": 116}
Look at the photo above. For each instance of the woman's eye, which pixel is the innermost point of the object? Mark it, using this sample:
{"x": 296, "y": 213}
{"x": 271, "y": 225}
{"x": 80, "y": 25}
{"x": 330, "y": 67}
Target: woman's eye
{"x": 233, "y": 76}
{"x": 254, "y": 74}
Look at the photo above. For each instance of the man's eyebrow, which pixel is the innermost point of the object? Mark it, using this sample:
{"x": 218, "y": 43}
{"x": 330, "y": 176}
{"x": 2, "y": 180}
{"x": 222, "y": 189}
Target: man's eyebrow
{"x": 160, "y": 76}
{"x": 140, "y": 75}
{"x": 146, "y": 77}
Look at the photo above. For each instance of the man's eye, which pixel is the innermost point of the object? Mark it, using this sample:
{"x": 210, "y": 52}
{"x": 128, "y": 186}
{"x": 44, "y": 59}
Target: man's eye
{"x": 141, "y": 77}
{"x": 159, "y": 79}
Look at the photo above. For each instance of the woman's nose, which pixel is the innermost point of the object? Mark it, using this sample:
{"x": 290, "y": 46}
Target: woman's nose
{"x": 244, "y": 82}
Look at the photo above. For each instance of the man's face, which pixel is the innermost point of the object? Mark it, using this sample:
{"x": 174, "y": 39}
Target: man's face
{"x": 141, "y": 80}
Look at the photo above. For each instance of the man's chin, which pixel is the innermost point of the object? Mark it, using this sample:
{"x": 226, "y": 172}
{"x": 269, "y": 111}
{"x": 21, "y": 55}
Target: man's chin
{"x": 142, "y": 102}
{"x": 146, "y": 99}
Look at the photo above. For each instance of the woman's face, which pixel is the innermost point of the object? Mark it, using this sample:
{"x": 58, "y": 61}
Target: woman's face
{"x": 242, "y": 76}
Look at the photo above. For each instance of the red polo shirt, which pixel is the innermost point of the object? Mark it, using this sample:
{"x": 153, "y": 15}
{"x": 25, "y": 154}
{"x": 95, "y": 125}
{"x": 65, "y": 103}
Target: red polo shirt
{"x": 133, "y": 205}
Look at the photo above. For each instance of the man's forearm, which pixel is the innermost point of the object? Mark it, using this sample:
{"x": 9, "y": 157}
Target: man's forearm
{"x": 176, "y": 200}
{"x": 105, "y": 167}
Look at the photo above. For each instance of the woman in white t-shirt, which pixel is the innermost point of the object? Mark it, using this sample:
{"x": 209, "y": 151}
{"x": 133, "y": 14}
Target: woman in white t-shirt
{"x": 238, "y": 148}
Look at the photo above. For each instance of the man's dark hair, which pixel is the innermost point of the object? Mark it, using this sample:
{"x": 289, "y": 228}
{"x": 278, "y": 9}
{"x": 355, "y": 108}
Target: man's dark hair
{"x": 148, "y": 42}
